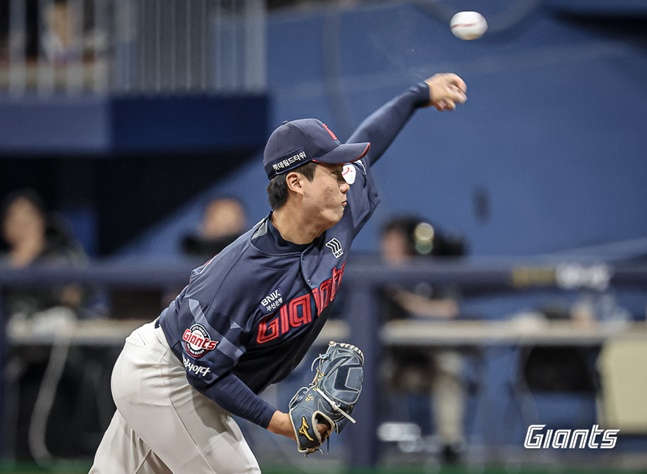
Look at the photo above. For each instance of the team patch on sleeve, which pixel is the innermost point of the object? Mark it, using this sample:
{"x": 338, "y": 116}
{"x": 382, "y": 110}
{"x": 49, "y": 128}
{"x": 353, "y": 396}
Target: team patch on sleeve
{"x": 197, "y": 341}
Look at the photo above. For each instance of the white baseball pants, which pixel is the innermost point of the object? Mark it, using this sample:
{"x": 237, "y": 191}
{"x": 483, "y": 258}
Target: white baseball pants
{"x": 162, "y": 424}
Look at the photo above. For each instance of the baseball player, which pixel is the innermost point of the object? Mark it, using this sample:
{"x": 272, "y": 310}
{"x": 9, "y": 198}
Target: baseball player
{"x": 250, "y": 314}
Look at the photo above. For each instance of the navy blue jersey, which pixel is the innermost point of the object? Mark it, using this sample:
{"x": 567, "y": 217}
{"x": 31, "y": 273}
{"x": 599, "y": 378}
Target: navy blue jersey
{"x": 249, "y": 315}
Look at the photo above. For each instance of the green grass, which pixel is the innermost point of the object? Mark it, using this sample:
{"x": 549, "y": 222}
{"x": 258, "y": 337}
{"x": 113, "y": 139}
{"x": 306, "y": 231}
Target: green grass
{"x": 58, "y": 468}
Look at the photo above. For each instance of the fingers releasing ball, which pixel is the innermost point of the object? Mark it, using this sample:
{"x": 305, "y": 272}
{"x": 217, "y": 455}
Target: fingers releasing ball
{"x": 468, "y": 25}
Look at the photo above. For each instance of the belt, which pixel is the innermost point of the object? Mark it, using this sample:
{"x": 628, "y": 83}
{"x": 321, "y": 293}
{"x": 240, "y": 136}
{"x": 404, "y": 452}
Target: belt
{"x": 157, "y": 322}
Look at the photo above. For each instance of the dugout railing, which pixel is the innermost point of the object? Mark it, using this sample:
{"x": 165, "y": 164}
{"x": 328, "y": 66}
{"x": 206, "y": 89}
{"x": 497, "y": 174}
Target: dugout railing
{"x": 360, "y": 312}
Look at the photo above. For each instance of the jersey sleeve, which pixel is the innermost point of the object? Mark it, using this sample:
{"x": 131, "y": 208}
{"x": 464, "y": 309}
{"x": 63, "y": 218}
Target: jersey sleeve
{"x": 379, "y": 129}
{"x": 382, "y": 126}
{"x": 238, "y": 399}
{"x": 211, "y": 347}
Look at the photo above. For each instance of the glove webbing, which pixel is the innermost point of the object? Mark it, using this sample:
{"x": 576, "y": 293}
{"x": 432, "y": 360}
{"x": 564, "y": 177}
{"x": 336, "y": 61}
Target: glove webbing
{"x": 335, "y": 406}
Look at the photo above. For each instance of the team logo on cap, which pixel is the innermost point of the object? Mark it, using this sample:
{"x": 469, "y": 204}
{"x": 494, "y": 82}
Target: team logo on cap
{"x": 330, "y": 132}
{"x": 349, "y": 173}
{"x": 197, "y": 341}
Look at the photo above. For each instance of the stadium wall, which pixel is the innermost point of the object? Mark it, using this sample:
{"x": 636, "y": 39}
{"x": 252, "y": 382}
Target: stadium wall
{"x": 547, "y": 155}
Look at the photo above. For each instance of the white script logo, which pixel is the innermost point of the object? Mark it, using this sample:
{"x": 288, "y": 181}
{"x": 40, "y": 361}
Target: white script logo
{"x": 196, "y": 369}
{"x": 594, "y": 438}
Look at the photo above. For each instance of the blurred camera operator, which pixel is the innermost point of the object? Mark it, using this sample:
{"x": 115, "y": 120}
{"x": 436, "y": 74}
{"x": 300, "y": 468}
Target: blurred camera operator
{"x": 426, "y": 370}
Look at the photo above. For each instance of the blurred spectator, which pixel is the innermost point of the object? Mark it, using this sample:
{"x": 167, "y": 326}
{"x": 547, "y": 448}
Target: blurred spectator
{"x": 426, "y": 370}
{"x": 224, "y": 219}
{"x": 70, "y": 31}
{"x": 58, "y": 30}
{"x": 34, "y": 238}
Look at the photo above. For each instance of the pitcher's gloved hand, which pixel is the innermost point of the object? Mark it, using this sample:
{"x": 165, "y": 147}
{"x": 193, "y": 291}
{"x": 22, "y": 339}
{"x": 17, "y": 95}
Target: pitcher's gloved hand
{"x": 330, "y": 398}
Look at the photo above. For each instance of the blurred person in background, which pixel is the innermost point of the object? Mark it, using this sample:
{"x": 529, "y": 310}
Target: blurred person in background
{"x": 34, "y": 238}
{"x": 426, "y": 370}
{"x": 224, "y": 219}
{"x": 57, "y": 31}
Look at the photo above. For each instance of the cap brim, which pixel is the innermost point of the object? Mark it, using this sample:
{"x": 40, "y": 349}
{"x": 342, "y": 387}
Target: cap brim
{"x": 344, "y": 153}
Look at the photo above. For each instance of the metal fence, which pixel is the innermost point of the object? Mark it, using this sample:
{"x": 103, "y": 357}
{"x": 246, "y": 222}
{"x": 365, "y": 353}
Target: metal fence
{"x": 131, "y": 46}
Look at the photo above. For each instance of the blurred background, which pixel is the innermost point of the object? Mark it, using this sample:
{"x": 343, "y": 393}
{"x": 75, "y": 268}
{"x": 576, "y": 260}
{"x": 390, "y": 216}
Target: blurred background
{"x": 501, "y": 284}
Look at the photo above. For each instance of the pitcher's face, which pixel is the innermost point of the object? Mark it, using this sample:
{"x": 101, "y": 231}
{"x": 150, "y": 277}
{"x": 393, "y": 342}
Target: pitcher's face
{"x": 325, "y": 196}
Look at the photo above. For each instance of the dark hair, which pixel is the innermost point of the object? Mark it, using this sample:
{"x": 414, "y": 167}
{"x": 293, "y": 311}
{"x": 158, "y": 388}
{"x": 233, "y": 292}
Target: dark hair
{"x": 277, "y": 189}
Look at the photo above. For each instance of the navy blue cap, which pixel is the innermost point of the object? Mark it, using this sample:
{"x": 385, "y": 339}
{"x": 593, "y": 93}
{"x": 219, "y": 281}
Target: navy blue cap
{"x": 298, "y": 142}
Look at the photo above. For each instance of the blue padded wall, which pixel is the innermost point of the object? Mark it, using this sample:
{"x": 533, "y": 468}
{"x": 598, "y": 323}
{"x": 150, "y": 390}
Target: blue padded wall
{"x": 546, "y": 155}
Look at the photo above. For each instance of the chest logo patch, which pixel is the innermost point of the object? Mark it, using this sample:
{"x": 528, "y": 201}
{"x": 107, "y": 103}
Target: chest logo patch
{"x": 335, "y": 246}
{"x": 272, "y": 301}
{"x": 197, "y": 341}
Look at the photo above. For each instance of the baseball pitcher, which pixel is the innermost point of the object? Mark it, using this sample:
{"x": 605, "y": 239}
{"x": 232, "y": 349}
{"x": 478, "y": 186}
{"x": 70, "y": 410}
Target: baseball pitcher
{"x": 250, "y": 314}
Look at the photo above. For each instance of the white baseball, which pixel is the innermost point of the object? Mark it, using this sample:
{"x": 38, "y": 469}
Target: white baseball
{"x": 468, "y": 25}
